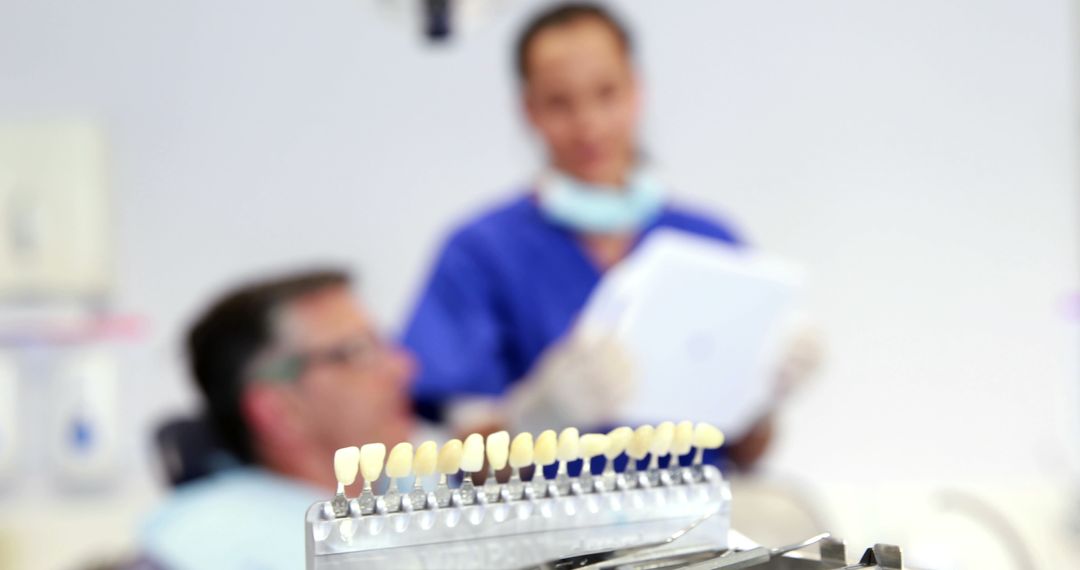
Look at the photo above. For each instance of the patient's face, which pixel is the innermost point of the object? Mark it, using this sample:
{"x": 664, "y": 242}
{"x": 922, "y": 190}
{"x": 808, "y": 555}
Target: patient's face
{"x": 354, "y": 389}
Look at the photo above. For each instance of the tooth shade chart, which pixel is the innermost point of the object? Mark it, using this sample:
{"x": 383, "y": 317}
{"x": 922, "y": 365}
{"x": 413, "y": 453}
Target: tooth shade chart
{"x": 521, "y": 451}
{"x": 426, "y": 458}
{"x": 472, "y": 456}
{"x": 574, "y": 468}
{"x": 546, "y": 448}
{"x": 347, "y": 465}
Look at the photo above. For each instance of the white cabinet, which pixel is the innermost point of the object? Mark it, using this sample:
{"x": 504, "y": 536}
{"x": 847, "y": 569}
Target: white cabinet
{"x": 54, "y": 211}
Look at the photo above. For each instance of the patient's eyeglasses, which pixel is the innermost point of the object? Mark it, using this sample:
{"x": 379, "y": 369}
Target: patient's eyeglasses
{"x": 359, "y": 352}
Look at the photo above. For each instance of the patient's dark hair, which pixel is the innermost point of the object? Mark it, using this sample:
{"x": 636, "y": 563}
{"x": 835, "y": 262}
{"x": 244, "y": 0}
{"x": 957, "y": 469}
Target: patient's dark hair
{"x": 230, "y": 334}
{"x": 560, "y": 15}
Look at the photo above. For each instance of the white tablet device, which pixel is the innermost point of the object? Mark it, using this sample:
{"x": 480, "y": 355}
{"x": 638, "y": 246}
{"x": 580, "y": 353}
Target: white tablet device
{"x": 703, "y": 322}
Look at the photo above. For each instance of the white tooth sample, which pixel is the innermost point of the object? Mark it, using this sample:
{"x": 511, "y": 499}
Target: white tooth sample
{"x": 707, "y": 436}
{"x": 618, "y": 439}
{"x": 449, "y": 460}
{"x": 371, "y": 461}
{"x": 593, "y": 444}
{"x": 684, "y": 438}
{"x": 423, "y": 465}
{"x": 547, "y": 448}
{"x": 639, "y": 444}
{"x": 448, "y": 463}
{"x": 590, "y": 445}
{"x": 568, "y": 449}
{"x": 424, "y": 461}
{"x": 472, "y": 454}
{"x": 521, "y": 450}
{"x": 346, "y": 465}
{"x": 521, "y": 455}
{"x": 568, "y": 445}
{"x": 498, "y": 449}
{"x": 472, "y": 461}
{"x": 545, "y": 452}
{"x": 399, "y": 464}
{"x": 661, "y": 443}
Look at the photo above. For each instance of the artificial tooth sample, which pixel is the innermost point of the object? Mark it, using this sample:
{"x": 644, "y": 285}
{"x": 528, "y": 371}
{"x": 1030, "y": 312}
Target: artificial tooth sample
{"x": 545, "y": 452}
{"x": 426, "y": 456}
{"x": 590, "y": 445}
{"x": 448, "y": 463}
{"x": 661, "y": 445}
{"x": 423, "y": 466}
{"x": 706, "y": 436}
{"x": 568, "y": 450}
{"x": 346, "y": 466}
{"x": 680, "y": 446}
{"x": 637, "y": 449}
{"x": 521, "y": 456}
{"x": 472, "y": 461}
{"x": 372, "y": 456}
{"x": 371, "y": 464}
{"x": 498, "y": 451}
{"x": 618, "y": 439}
{"x": 398, "y": 466}
{"x": 683, "y": 440}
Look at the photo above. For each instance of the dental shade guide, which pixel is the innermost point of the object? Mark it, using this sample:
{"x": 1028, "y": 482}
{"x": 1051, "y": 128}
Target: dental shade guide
{"x": 346, "y": 466}
{"x": 537, "y": 519}
{"x": 590, "y": 445}
{"x": 398, "y": 466}
{"x": 706, "y": 436}
{"x": 545, "y": 452}
{"x": 498, "y": 451}
{"x": 423, "y": 467}
{"x": 568, "y": 450}
{"x": 637, "y": 450}
{"x": 371, "y": 464}
{"x": 681, "y": 445}
{"x": 661, "y": 445}
{"x": 521, "y": 456}
{"x": 448, "y": 463}
{"x": 472, "y": 461}
{"x": 618, "y": 439}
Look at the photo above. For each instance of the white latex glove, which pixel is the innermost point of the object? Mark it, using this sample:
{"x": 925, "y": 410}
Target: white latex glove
{"x": 803, "y": 352}
{"x": 584, "y": 379}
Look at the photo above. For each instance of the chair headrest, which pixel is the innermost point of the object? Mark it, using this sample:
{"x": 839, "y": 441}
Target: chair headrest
{"x": 190, "y": 449}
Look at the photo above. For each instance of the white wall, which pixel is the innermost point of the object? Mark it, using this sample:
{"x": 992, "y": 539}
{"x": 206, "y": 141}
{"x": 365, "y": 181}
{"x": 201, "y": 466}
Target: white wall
{"x": 918, "y": 157}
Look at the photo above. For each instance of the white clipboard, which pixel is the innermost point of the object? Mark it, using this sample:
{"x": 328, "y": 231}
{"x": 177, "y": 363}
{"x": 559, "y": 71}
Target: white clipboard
{"x": 704, "y": 324}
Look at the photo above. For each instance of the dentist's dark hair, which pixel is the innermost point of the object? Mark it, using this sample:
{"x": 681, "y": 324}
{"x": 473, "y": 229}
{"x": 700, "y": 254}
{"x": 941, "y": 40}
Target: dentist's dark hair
{"x": 561, "y": 15}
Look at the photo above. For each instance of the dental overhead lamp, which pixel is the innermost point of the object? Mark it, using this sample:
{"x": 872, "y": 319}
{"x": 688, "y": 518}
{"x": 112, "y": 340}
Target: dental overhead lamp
{"x": 441, "y": 21}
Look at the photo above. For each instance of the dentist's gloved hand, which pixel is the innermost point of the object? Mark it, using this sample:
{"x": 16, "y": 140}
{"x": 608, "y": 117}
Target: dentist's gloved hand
{"x": 585, "y": 379}
{"x": 801, "y": 358}
{"x": 798, "y": 361}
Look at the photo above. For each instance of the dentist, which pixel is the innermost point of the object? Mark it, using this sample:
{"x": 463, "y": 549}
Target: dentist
{"x": 493, "y": 327}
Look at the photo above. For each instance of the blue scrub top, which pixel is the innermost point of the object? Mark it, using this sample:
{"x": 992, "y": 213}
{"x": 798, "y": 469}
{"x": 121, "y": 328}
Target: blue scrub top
{"x": 507, "y": 285}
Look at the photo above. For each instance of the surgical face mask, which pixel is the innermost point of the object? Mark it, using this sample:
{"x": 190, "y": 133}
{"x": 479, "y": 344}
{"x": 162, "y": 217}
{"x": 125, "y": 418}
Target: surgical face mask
{"x": 597, "y": 209}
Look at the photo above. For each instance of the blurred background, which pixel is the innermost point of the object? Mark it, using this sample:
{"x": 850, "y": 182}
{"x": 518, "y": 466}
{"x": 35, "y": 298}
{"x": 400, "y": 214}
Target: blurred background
{"x": 918, "y": 158}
